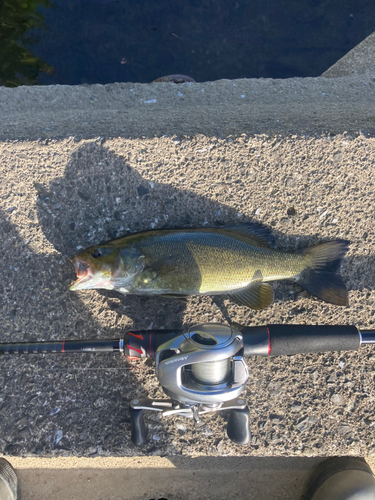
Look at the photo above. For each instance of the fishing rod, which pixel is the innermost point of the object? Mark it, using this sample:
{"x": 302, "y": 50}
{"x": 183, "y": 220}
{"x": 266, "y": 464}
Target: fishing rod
{"x": 202, "y": 369}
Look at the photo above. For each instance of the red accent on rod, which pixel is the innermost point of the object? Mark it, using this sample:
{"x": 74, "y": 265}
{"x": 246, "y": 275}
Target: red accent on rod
{"x": 136, "y": 336}
{"x": 134, "y": 349}
{"x": 269, "y": 341}
{"x": 63, "y": 346}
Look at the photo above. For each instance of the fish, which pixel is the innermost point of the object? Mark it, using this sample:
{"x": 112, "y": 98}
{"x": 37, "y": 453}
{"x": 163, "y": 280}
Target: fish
{"x": 238, "y": 260}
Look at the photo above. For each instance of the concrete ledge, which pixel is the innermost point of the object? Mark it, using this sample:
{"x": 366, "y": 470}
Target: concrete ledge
{"x": 180, "y": 478}
{"x": 155, "y": 477}
{"x": 305, "y": 106}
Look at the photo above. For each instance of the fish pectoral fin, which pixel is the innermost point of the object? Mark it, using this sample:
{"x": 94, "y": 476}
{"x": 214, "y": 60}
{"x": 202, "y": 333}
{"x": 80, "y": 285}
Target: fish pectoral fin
{"x": 256, "y": 296}
{"x": 182, "y": 298}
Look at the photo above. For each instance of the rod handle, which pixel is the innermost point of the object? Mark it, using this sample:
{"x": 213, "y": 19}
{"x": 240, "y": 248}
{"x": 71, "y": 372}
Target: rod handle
{"x": 300, "y": 339}
{"x": 238, "y": 428}
{"x": 139, "y": 432}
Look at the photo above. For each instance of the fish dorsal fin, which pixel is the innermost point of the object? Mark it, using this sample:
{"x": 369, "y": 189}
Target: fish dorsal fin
{"x": 251, "y": 233}
{"x": 257, "y": 296}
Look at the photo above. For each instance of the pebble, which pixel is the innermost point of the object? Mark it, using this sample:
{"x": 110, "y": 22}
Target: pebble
{"x": 306, "y": 423}
{"x": 337, "y": 399}
{"x": 58, "y": 437}
{"x": 220, "y": 447}
{"x": 344, "y": 429}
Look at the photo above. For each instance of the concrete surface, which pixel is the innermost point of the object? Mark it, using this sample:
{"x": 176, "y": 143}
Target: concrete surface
{"x": 59, "y": 196}
{"x": 243, "y": 478}
{"x": 84, "y": 164}
{"x": 301, "y": 106}
{"x": 358, "y": 61}
{"x": 178, "y": 478}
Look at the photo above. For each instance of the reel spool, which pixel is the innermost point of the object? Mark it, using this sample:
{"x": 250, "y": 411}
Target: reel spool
{"x": 202, "y": 365}
{"x": 202, "y": 371}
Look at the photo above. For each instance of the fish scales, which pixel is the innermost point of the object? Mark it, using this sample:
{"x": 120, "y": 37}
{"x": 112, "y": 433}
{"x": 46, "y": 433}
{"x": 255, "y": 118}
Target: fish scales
{"x": 225, "y": 262}
{"x": 212, "y": 262}
{"x": 238, "y": 261}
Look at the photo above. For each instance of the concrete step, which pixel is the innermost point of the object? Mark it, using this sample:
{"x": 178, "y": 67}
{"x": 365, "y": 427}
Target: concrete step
{"x": 159, "y": 478}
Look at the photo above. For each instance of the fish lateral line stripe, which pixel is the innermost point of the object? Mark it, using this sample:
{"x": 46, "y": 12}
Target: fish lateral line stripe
{"x": 269, "y": 341}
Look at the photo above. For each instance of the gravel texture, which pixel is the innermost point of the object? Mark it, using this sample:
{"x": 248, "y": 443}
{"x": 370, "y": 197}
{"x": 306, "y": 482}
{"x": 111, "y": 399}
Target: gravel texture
{"x": 58, "y": 196}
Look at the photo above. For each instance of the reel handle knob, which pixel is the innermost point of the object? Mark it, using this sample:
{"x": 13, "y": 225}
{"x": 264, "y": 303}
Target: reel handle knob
{"x": 238, "y": 428}
{"x": 139, "y": 432}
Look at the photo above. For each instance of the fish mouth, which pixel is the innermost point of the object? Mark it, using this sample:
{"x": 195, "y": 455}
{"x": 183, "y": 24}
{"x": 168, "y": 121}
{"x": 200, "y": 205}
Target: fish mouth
{"x": 82, "y": 282}
{"x": 87, "y": 279}
{"x": 84, "y": 275}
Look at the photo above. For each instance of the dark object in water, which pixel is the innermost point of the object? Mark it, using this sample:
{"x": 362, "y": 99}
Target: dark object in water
{"x": 175, "y": 79}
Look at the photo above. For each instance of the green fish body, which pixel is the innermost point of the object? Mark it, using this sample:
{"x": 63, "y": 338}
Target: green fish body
{"x": 237, "y": 260}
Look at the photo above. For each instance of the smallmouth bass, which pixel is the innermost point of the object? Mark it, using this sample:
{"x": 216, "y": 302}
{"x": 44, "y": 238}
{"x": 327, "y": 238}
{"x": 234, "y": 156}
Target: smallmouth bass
{"x": 235, "y": 260}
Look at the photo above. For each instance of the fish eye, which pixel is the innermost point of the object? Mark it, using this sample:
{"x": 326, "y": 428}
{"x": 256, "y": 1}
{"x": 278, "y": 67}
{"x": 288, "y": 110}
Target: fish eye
{"x": 96, "y": 253}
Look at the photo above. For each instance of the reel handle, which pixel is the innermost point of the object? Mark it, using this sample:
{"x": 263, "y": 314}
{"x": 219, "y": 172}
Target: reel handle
{"x": 238, "y": 427}
{"x": 139, "y": 432}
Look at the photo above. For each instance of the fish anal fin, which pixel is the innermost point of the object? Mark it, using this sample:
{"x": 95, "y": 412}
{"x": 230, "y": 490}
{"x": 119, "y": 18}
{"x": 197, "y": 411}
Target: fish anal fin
{"x": 258, "y": 276}
{"x": 257, "y": 296}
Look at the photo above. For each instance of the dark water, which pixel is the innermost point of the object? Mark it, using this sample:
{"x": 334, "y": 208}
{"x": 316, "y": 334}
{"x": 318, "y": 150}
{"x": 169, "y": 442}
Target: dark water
{"x": 103, "y": 41}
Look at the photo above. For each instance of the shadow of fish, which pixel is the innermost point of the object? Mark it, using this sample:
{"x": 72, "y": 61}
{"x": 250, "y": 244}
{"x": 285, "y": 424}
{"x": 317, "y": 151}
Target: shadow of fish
{"x": 237, "y": 260}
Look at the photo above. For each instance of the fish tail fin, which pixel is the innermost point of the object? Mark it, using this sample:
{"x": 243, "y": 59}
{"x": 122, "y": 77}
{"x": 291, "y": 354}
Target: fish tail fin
{"x": 320, "y": 277}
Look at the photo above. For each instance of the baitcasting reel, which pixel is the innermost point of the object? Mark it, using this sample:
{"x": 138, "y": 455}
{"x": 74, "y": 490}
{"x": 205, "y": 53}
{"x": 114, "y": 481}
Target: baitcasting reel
{"x": 201, "y": 371}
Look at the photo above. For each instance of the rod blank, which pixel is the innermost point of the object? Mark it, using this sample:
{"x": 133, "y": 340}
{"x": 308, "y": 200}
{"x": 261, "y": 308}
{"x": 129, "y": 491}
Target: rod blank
{"x": 367, "y": 336}
{"x": 112, "y": 345}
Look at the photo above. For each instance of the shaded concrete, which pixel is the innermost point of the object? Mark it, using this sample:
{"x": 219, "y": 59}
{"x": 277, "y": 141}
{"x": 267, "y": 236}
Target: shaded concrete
{"x": 161, "y": 478}
{"x": 180, "y": 478}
